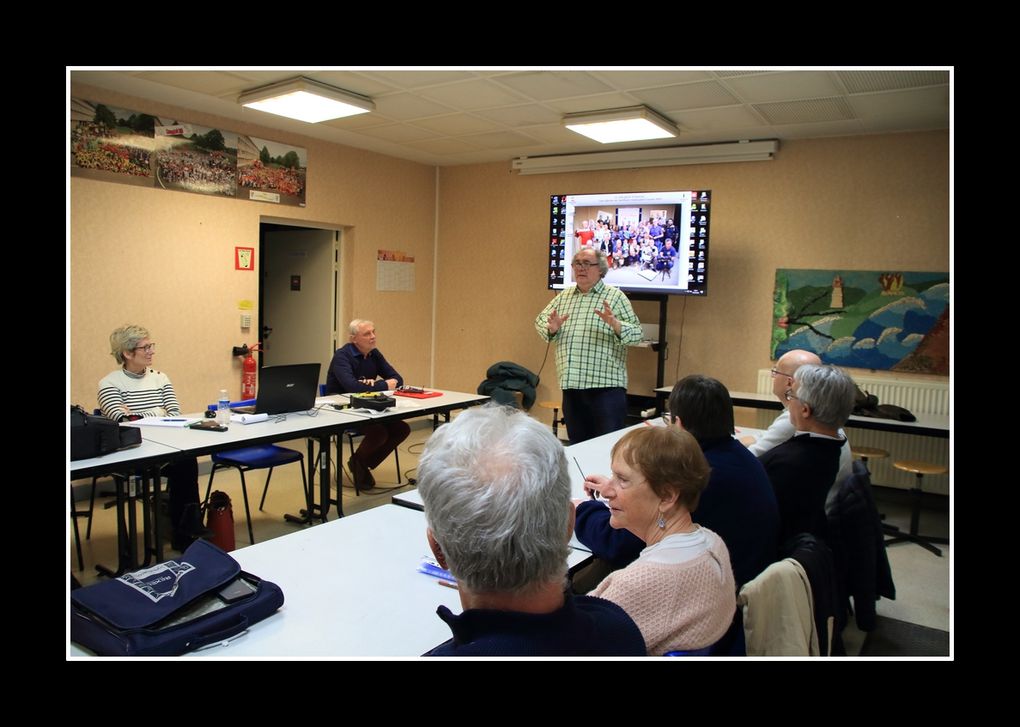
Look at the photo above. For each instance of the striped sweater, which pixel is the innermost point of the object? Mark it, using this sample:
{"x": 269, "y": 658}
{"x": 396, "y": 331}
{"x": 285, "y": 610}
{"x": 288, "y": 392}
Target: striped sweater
{"x": 150, "y": 394}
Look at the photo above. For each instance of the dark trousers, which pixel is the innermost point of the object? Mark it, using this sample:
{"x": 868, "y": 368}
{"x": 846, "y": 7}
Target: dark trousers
{"x": 590, "y": 413}
{"x": 380, "y": 440}
{"x": 182, "y": 487}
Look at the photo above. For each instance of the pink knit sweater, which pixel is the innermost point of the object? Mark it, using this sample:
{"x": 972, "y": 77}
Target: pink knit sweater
{"x": 677, "y": 607}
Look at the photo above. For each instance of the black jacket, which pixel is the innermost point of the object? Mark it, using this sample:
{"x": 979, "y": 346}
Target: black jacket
{"x": 855, "y": 536}
{"x": 506, "y": 377}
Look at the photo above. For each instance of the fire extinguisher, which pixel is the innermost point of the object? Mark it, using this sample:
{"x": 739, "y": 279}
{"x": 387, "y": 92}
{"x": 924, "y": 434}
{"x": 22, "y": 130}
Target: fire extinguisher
{"x": 248, "y": 371}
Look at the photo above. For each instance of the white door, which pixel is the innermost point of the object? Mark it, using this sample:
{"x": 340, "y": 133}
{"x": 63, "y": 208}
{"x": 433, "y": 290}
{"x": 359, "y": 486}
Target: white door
{"x": 298, "y": 295}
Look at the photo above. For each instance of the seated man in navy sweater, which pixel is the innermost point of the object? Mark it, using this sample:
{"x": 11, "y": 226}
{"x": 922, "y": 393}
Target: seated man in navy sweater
{"x": 738, "y": 503}
{"x": 496, "y": 490}
{"x": 820, "y": 399}
{"x": 359, "y": 367}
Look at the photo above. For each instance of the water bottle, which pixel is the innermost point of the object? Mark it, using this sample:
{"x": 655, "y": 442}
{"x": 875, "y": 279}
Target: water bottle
{"x": 223, "y": 409}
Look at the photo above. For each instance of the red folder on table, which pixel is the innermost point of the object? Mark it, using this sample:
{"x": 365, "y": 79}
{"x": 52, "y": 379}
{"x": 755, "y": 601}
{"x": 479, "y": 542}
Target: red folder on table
{"x": 418, "y": 394}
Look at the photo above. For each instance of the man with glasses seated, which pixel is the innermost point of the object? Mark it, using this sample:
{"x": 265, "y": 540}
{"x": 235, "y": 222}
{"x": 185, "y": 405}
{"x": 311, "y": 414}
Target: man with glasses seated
{"x": 782, "y": 428}
{"x": 592, "y": 324}
{"x": 136, "y": 391}
{"x": 802, "y": 469}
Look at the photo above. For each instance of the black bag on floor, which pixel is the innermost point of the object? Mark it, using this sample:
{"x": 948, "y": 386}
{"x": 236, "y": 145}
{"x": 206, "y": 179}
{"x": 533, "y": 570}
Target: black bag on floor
{"x": 201, "y": 598}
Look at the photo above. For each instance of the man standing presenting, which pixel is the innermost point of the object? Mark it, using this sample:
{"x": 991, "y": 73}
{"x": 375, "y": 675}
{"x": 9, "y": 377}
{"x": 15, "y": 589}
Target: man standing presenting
{"x": 592, "y": 324}
{"x": 359, "y": 367}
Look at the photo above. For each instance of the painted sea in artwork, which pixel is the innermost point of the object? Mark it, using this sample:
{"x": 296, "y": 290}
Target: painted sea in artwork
{"x": 886, "y": 319}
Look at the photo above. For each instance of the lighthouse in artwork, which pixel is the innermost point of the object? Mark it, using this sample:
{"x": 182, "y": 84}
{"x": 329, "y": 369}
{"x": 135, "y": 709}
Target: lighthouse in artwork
{"x": 837, "y": 293}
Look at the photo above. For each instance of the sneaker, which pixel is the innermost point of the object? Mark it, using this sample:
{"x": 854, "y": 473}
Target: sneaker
{"x": 362, "y": 475}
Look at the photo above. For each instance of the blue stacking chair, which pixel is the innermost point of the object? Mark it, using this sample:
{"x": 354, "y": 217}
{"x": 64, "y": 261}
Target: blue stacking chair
{"x": 266, "y": 456}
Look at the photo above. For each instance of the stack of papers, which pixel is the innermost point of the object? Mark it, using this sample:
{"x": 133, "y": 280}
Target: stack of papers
{"x": 248, "y": 418}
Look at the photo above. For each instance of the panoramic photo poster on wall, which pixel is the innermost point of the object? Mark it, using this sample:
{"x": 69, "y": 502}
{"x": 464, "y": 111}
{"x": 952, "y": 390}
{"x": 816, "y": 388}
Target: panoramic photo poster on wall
{"x": 119, "y": 145}
{"x": 885, "y": 319}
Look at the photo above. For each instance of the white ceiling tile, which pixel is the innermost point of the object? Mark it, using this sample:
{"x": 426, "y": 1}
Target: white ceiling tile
{"x": 405, "y": 106}
{"x": 353, "y": 81}
{"x": 398, "y": 132}
{"x": 457, "y": 124}
{"x": 500, "y": 140}
{"x": 215, "y": 83}
{"x": 474, "y": 94}
{"x": 631, "y": 80}
{"x": 416, "y": 79}
{"x": 686, "y": 96}
{"x": 786, "y": 86}
{"x": 548, "y": 85}
{"x": 592, "y": 103}
{"x": 521, "y": 115}
{"x": 921, "y": 106}
{"x": 726, "y": 117}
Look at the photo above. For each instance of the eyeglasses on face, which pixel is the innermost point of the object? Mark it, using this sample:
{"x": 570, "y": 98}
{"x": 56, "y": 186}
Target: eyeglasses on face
{"x": 789, "y": 396}
{"x": 148, "y": 348}
{"x": 667, "y": 419}
{"x": 777, "y": 372}
{"x": 583, "y": 265}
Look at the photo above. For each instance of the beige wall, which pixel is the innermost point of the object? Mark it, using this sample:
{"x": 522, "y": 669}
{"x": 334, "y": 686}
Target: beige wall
{"x": 166, "y": 260}
{"x": 867, "y": 202}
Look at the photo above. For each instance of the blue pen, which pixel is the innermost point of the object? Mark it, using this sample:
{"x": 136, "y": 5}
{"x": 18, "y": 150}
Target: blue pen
{"x": 175, "y": 420}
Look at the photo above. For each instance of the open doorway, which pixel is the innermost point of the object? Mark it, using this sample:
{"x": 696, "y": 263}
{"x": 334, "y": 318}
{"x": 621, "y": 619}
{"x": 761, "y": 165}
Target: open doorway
{"x": 298, "y": 294}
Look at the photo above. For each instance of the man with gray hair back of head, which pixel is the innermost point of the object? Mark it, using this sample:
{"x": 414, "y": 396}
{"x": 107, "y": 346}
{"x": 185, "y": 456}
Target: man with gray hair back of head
{"x": 819, "y": 399}
{"x": 497, "y": 499}
{"x": 781, "y": 429}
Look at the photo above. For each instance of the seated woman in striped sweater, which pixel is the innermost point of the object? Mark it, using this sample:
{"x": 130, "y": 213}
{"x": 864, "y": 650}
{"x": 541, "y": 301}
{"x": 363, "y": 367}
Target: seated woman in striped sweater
{"x": 680, "y": 591}
{"x": 137, "y": 390}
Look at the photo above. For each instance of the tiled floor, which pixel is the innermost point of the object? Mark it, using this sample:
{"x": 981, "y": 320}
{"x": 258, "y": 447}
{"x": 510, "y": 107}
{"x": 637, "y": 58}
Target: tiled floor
{"x": 923, "y": 581}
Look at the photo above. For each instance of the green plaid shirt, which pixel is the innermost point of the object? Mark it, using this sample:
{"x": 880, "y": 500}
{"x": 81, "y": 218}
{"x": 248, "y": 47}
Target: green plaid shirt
{"x": 589, "y": 354}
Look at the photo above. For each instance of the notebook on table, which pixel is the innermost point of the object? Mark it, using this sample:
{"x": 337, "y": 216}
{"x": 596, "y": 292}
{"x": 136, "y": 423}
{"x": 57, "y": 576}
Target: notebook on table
{"x": 285, "y": 389}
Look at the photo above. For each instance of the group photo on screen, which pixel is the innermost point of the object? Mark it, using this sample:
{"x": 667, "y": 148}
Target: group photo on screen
{"x": 654, "y": 242}
{"x": 641, "y": 246}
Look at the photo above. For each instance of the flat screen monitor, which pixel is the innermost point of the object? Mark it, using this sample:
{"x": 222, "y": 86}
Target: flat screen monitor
{"x": 655, "y": 242}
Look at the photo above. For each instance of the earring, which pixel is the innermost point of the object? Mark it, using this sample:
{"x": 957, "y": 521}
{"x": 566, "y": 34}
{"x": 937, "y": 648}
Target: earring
{"x": 661, "y": 523}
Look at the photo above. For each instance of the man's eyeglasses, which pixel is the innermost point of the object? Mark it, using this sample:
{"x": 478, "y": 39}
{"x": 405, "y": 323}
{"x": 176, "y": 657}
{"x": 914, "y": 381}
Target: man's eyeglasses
{"x": 789, "y": 396}
{"x": 667, "y": 419}
{"x": 777, "y": 372}
{"x": 583, "y": 265}
{"x": 148, "y": 348}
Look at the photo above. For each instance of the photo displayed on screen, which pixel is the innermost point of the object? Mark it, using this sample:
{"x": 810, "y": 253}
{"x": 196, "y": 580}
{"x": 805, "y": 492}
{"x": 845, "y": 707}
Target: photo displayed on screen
{"x": 655, "y": 242}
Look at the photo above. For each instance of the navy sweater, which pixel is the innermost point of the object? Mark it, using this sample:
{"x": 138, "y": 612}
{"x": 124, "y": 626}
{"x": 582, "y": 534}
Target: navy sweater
{"x": 738, "y": 504}
{"x": 584, "y": 626}
{"x": 802, "y": 470}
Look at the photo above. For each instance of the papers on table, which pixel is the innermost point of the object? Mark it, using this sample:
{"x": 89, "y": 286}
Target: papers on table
{"x": 163, "y": 422}
{"x": 248, "y": 418}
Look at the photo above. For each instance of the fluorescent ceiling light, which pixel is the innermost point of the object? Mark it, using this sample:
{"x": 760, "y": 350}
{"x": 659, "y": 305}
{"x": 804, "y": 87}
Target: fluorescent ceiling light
{"x": 734, "y": 151}
{"x": 636, "y": 123}
{"x": 306, "y": 100}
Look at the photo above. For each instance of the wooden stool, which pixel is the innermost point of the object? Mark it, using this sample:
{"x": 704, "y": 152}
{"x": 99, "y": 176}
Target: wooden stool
{"x": 865, "y": 452}
{"x": 557, "y": 419}
{"x": 925, "y": 541}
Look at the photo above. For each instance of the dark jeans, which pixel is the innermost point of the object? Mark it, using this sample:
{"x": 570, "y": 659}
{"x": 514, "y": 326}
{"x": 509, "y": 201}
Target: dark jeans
{"x": 590, "y": 413}
{"x": 380, "y": 440}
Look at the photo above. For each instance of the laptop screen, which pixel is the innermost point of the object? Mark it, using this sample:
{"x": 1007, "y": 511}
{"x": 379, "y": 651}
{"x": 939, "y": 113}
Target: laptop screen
{"x": 286, "y": 389}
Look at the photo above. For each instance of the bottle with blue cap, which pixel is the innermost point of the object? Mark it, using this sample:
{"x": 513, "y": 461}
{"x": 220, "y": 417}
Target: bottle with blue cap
{"x": 223, "y": 409}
